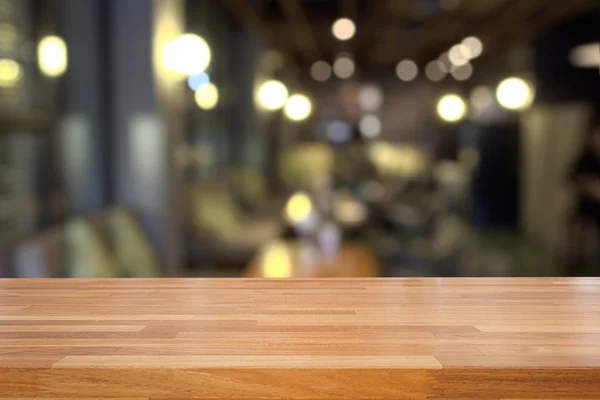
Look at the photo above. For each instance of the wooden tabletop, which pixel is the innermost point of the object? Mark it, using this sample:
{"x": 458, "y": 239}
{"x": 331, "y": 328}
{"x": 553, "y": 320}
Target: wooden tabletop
{"x": 294, "y": 259}
{"x": 300, "y": 339}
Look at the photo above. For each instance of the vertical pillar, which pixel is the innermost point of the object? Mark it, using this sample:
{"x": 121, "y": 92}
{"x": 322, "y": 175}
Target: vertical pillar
{"x": 246, "y": 46}
{"x": 146, "y": 127}
{"x": 82, "y": 128}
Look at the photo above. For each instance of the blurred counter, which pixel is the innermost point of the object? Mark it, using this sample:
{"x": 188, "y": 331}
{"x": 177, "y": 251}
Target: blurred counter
{"x": 296, "y": 259}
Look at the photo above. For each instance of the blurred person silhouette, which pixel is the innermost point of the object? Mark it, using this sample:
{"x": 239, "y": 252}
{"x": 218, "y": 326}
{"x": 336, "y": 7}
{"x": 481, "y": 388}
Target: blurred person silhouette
{"x": 585, "y": 246}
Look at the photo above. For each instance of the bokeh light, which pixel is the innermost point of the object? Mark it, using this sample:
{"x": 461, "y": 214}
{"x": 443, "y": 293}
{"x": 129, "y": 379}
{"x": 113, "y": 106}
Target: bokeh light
{"x": 52, "y": 56}
{"x": 320, "y": 71}
{"x": 343, "y": 29}
{"x": 586, "y": 55}
{"x": 272, "y": 95}
{"x": 196, "y": 81}
{"x": 370, "y": 126}
{"x": 474, "y": 45}
{"x": 407, "y": 70}
{"x": 343, "y": 67}
{"x": 338, "y": 131}
{"x": 370, "y": 98}
{"x": 276, "y": 262}
{"x": 298, "y": 208}
{"x": 444, "y": 63}
{"x": 188, "y": 54}
{"x": 10, "y": 73}
{"x": 207, "y": 96}
{"x": 514, "y": 94}
{"x": 434, "y": 71}
{"x": 462, "y": 73}
{"x": 348, "y": 211}
{"x": 298, "y": 107}
{"x": 459, "y": 55}
{"x": 481, "y": 98}
{"x": 451, "y": 108}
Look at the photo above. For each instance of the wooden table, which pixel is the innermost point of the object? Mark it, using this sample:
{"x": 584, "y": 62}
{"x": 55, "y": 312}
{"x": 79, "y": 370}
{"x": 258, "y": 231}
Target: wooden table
{"x": 293, "y": 259}
{"x": 300, "y": 339}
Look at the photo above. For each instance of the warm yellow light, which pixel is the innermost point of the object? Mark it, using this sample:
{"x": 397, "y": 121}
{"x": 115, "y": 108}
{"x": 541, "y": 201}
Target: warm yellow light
{"x": 188, "y": 54}
{"x": 207, "y": 96}
{"x": 348, "y": 211}
{"x": 10, "y": 73}
{"x": 444, "y": 63}
{"x": 320, "y": 71}
{"x": 474, "y": 45}
{"x": 407, "y": 70}
{"x": 463, "y": 73}
{"x": 434, "y": 71}
{"x": 276, "y": 262}
{"x": 481, "y": 98}
{"x": 370, "y": 126}
{"x": 343, "y": 29}
{"x": 381, "y": 153}
{"x": 459, "y": 55}
{"x": 298, "y": 107}
{"x": 451, "y": 108}
{"x": 343, "y": 67}
{"x": 514, "y": 94}
{"x": 52, "y": 56}
{"x": 586, "y": 55}
{"x": 370, "y": 98}
{"x": 298, "y": 208}
{"x": 272, "y": 95}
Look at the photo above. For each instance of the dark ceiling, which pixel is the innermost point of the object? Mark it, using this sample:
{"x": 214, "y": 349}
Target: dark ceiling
{"x": 391, "y": 30}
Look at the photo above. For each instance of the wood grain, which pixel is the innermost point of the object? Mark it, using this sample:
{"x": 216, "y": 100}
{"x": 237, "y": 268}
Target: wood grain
{"x": 499, "y": 339}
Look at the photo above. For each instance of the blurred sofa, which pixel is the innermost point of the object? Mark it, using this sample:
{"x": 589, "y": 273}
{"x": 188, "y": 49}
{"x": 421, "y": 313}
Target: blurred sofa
{"x": 109, "y": 244}
{"x": 219, "y": 231}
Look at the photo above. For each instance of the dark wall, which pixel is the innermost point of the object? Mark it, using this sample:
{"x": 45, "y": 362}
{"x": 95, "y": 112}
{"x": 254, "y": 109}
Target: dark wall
{"x": 558, "y": 80}
{"x": 496, "y": 181}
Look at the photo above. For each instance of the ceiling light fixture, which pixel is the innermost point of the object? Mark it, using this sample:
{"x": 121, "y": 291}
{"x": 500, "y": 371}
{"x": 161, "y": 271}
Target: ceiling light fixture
{"x": 343, "y": 29}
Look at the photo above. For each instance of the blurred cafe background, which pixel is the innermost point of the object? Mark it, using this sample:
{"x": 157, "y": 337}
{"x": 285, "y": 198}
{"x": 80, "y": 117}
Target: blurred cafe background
{"x": 299, "y": 138}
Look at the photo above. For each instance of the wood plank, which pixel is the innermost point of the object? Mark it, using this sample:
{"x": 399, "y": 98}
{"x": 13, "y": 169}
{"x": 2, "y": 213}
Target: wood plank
{"x": 223, "y": 383}
{"x": 521, "y": 383}
{"x": 71, "y": 328}
{"x": 264, "y": 361}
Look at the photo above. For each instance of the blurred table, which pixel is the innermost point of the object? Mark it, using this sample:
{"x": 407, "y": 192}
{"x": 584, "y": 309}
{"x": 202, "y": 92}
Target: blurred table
{"x": 294, "y": 259}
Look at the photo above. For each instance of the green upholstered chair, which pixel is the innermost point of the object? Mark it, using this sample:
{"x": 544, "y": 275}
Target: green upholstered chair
{"x": 89, "y": 255}
{"x": 214, "y": 212}
{"x": 132, "y": 250}
{"x": 250, "y": 187}
{"x": 219, "y": 231}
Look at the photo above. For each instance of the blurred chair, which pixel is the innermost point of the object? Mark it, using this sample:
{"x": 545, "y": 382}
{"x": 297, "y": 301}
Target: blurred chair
{"x": 132, "y": 250}
{"x": 422, "y": 237}
{"x": 104, "y": 245}
{"x": 220, "y": 232}
{"x": 250, "y": 188}
{"x": 89, "y": 254}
